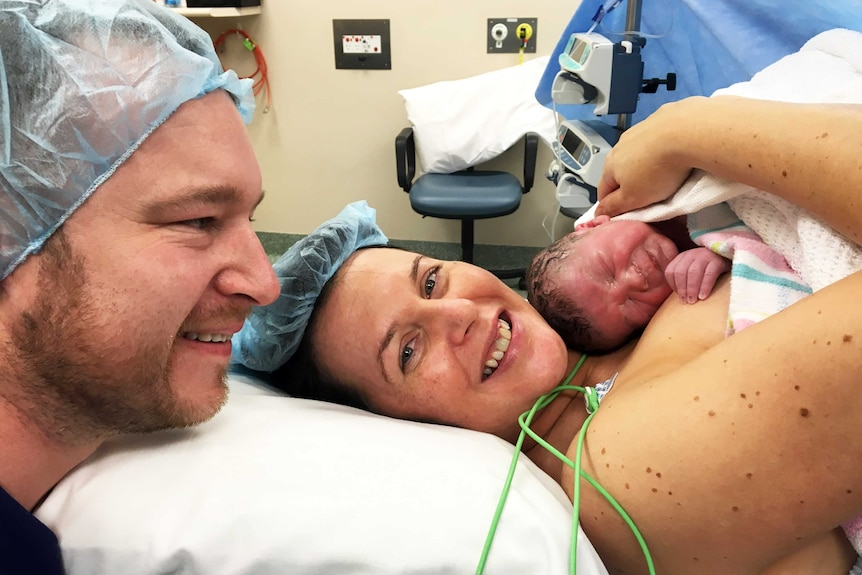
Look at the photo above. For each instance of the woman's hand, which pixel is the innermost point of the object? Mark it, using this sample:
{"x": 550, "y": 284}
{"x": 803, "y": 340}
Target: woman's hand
{"x": 647, "y": 165}
{"x": 808, "y": 154}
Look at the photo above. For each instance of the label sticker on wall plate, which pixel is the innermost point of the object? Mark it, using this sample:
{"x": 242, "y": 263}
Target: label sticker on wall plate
{"x": 360, "y": 44}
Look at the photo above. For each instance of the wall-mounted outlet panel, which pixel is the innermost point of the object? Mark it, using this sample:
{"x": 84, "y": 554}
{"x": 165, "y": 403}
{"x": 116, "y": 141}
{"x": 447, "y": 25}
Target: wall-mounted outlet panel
{"x": 502, "y": 35}
{"x": 362, "y": 44}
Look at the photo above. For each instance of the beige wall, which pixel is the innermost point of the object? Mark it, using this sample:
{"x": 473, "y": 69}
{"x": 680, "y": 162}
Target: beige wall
{"x": 328, "y": 138}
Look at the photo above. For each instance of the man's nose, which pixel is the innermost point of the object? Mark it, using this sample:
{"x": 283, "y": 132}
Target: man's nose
{"x": 249, "y": 272}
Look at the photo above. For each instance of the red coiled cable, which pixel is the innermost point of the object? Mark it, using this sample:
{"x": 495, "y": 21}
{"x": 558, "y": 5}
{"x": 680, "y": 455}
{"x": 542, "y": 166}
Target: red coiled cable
{"x": 260, "y": 77}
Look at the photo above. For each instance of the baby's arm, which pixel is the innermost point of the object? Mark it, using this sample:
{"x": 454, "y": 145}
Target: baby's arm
{"x": 692, "y": 273}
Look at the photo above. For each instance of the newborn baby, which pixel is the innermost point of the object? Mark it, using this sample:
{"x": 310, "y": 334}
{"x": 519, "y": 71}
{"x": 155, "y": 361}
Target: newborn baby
{"x": 600, "y": 284}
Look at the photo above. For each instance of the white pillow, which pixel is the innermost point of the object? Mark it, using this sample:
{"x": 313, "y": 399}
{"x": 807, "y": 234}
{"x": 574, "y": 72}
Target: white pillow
{"x": 282, "y": 485}
{"x": 461, "y": 123}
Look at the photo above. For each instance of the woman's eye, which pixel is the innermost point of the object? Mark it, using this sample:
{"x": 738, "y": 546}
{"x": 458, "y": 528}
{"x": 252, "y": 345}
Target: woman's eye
{"x": 406, "y": 355}
{"x": 430, "y": 282}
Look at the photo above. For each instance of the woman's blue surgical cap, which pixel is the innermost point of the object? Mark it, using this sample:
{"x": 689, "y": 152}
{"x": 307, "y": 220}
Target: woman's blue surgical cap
{"x": 272, "y": 333}
{"x": 82, "y": 85}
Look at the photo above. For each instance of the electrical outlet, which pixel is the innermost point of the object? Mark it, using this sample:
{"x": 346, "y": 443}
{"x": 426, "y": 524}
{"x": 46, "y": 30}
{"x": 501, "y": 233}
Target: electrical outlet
{"x": 508, "y": 35}
{"x": 362, "y": 44}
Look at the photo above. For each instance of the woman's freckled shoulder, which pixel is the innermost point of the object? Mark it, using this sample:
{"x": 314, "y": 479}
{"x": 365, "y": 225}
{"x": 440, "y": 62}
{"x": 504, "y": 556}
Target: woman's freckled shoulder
{"x": 678, "y": 333}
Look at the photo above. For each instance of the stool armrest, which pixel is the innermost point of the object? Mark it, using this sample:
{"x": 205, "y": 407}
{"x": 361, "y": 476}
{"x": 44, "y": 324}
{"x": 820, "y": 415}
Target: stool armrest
{"x": 531, "y": 146}
{"x": 405, "y": 158}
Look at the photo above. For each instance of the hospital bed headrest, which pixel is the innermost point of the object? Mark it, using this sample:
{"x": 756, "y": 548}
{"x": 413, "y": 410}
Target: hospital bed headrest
{"x": 82, "y": 85}
{"x": 272, "y": 333}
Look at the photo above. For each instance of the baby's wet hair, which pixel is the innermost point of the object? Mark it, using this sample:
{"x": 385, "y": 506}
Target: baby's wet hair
{"x": 566, "y": 317}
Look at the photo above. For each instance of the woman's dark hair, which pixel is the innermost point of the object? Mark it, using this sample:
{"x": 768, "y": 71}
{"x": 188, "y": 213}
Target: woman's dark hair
{"x": 303, "y": 376}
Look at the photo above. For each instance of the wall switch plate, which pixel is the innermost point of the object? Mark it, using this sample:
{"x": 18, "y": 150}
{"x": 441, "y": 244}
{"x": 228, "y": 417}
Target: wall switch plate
{"x": 362, "y": 44}
{"x": 502, "y": 35}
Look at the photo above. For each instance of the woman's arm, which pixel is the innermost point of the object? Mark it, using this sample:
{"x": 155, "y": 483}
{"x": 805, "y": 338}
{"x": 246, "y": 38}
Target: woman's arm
{"x": 737, "y": 457}
{"x": 808, "y": 154}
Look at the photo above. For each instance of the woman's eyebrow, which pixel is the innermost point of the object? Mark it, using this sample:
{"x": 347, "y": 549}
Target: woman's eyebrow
{"x": 390, "y": 333}
{"x": 414, "y": 273}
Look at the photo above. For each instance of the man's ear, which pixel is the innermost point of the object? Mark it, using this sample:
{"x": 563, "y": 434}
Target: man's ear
{"x": 593, "y": 223}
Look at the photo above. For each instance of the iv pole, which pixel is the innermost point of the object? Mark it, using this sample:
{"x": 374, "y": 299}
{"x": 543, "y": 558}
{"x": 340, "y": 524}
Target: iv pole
{"x": 633, "y": 24}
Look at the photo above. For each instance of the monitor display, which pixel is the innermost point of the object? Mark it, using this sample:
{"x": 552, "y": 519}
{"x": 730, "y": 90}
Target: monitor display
{"x": 579, "y": 51}
{"x": 575, "y": 147}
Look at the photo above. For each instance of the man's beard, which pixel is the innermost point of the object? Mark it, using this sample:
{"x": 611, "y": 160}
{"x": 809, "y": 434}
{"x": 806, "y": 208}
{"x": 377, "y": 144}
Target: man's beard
{"x": 76, "y": 382}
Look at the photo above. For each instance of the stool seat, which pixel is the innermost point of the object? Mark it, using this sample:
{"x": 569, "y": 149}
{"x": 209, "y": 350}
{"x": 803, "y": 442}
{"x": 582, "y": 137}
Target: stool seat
{"x": 466, "y": 194}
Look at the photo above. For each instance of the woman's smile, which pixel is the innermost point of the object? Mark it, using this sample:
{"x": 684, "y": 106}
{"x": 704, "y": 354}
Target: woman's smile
{"x": 498, "y": 348}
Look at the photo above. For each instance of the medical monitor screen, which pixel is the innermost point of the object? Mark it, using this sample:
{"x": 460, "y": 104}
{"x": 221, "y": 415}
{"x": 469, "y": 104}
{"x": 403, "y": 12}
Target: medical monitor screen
{"x": 575, "y": 146}
{"x": 579, "y": 51}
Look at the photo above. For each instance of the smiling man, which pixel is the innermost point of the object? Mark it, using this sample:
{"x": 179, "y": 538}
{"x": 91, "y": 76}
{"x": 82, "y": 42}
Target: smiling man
{"x": 127, "y": 260}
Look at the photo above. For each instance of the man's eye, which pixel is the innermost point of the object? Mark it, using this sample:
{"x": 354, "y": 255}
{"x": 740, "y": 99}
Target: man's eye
{"x": 430, "y": 282}
{"x": 406, "y": 355}
{"x": 200, "y": 223}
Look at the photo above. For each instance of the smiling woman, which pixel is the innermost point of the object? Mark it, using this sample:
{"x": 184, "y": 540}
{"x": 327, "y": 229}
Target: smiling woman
{"x": 420, "y": 353}
{"x": 415, "y": 338}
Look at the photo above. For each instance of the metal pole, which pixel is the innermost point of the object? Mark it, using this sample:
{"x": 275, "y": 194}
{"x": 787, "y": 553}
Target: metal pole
{"x": 633, "y": 17}
{"x": 633, "y": 24}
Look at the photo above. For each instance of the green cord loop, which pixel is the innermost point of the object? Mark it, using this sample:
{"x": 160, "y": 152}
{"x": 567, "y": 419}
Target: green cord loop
{"x": 524, "y": 421}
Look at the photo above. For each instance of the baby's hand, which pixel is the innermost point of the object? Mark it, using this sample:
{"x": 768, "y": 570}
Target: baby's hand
{"x": 692, "y": 274}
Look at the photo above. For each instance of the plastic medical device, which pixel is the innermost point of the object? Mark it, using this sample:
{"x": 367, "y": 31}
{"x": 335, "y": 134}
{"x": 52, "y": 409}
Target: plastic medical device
{"x": 593, "y": 70}
{"x": 581, "y": 148}
{"x": 607, "y": 74}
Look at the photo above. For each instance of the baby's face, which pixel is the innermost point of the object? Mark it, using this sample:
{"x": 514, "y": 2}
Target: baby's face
{"x": 616, "y": 273}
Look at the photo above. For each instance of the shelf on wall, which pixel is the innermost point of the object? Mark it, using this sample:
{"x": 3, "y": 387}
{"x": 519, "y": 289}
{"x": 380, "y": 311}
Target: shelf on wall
{"x": 217, "y": 12}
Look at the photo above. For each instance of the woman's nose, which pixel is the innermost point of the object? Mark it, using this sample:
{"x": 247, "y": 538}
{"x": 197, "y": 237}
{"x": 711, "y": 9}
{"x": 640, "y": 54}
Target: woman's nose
{"x": 453, "y": 317}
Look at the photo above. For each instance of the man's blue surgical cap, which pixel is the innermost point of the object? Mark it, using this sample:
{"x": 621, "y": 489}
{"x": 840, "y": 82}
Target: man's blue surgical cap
{"x": 82, "y": 85}
{"x": 272, "y": 333}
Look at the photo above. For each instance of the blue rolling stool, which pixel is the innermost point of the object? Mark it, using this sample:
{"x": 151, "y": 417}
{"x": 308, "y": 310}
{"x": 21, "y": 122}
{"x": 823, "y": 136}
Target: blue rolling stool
{"x": 467, "y": 195}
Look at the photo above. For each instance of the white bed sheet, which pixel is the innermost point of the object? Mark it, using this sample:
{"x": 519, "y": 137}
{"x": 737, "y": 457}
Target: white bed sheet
{"x": 281, "y": 485}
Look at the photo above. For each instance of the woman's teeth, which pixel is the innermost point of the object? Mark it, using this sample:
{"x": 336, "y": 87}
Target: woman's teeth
{"x": 501, "y": 344}
{"x": 207, "y": 337}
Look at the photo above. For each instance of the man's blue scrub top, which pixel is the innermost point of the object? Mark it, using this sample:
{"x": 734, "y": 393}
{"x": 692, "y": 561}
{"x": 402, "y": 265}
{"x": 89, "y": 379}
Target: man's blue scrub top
{"x": 27, "y": 546}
